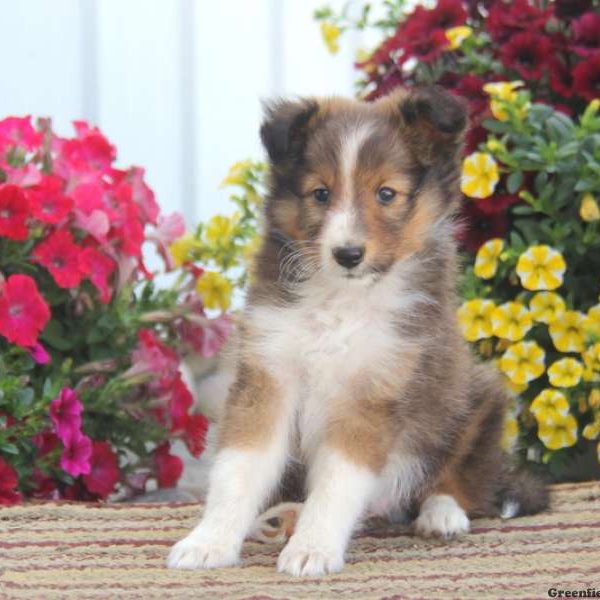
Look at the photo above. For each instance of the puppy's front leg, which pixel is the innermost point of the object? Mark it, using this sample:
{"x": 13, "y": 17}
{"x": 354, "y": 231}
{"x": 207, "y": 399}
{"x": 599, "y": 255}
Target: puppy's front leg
{"x": 253, "y": 441}
{"x": 339, "y": 490}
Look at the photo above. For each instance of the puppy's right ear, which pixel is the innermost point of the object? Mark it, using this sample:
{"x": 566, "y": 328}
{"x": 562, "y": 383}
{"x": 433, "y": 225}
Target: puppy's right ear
{"x": 285, "y": 127}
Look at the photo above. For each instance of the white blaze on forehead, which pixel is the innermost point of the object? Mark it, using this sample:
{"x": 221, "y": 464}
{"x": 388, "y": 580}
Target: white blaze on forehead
{"x": 342, "y": 227}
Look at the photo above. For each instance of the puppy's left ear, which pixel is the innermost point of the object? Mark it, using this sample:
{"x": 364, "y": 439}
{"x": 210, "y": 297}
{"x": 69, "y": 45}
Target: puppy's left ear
{"x": 434, "y": 122}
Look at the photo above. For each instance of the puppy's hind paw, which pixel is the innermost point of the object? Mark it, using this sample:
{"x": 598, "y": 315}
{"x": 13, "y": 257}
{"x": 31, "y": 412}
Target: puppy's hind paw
{"x": 441, "y": 516}
{"x": 194, "y": 553}
{"x": 276, "y": 524}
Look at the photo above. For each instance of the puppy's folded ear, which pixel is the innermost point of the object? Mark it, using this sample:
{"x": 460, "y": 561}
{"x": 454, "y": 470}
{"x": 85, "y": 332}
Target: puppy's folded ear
{"x": 285, "y": 127}
{"x": 433, "y": 122}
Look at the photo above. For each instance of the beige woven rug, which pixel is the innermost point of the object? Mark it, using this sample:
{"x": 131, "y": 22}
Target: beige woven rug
{"x": 118, "y": 551}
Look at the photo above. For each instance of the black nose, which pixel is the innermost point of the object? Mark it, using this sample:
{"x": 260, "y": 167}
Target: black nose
{"x": 349, "y": 256}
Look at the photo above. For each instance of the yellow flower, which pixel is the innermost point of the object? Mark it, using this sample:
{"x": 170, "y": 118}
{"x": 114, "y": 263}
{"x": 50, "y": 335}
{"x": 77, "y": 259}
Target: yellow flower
{"x": 457, "y": 35}
{"x": 474, "y": 317}
{"x": 215, "y": 290}
{"x": 594, "y": 399}
{"x": 593, "y": 320}
{"x": 486, "y": 261}
{"x": 589, "y": 210}
{"x": 546, "y": 307}
{"x": 562, "y": 433}
{"x": 565, "y": 372}
{"x": 220, "y": 230}
{"x": 184, "y": 249}
{"x": 591, "y": 357}
{"x": 549, "y": 405}
{"x": 502, "y": 92}
{"x": 494, "y": 145}
{"x": 592, "y": 430}
{"x": 330, "y": 34}
{"x": 510, "y": 433}
{"x": 238, "y": 173}
{"x": 523, "y": 362}
{"x": 511, "y": 321}
{"x": 568, "y": 332}
{"x": 479, "y": 175}
{"x": 541, "y": 268}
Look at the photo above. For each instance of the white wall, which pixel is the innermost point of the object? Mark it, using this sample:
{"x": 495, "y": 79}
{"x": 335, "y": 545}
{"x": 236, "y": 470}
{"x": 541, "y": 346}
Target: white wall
{"x": 175, "y": 84}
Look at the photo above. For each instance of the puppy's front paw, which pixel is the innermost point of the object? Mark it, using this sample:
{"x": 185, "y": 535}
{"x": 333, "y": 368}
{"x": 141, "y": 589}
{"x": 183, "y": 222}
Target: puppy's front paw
{"x": 302, "y": 558}
{"x": 441, "y": 516}
{"x": 193, "y": 552}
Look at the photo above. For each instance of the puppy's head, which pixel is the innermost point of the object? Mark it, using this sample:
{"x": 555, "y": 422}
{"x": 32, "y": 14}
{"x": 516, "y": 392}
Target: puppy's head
{"x": 358, "y": 187}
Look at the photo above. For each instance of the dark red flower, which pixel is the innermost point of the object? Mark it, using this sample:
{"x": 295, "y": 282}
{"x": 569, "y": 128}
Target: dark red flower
{"x": 195, "y": 434}
{"x": 99, "y": 268}
{"x": 14, "y": 210}
{"x": 104, "y": 470}
{"x": 46, "y": 441}
{"x": 8, "y": 484}
{"x": 446, "y": 14}
{"x": 497, "y": 203}
{"x": 470, "y": 87}
{"x": 527, "y": 53}
{"x": 23, "y": 310}
{"x": 561, "y": 78}
{"x": 586, "y": 78}
{"x": 168, "y": 466}
{"x": 48, "y": 202}
{"x": 478, "y": 226}
{"x": 586, "y": 34}
{"x": 506, "y": 19}
{"x": 569, "y": 9}
{"x": 60, "y": 255}
{"x": 44, "y": 486}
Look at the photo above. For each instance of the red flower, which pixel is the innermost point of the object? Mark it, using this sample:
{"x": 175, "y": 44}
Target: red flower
{"x": 45, "y": 486}
{"x": 75, "y": 459}
{"x": 419, "y": 41}
{"x": 60, "y": 255}
{"x": 586, "y": 34}
{"x": 497, "y": 203}
{"x": 65, "y": 413}
{"x": 153, "y": 357}
{"x": 99, "y": 267}
{"x": 195, "y": 434}
{"x": 446, "y": 14}
{"x": 168, "y": 466}
{"x": 14, "y": 209}
{"x": 8, "y": 484}
{"x": 46, "y": 441}
{"x": 528, "y": 53}
{"x": 506, "y": 19}
{"x": 47, "y": 201}
{"x": 104, "y": 470}
{"x": 180, "y": 402}
{"x": 478, "y": 226}
{"x": 141, "y": 194}
{"x": 23, "y": 310}
{"x": 586, "y": 78}
{"x": 561, "y": 78}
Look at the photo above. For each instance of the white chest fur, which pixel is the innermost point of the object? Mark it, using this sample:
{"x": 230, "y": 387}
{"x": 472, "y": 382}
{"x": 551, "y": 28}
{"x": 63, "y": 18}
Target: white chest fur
{"x": 318, "y": 346}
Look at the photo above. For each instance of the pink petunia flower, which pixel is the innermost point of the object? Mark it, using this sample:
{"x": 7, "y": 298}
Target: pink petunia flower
{"x": 75, "y": 459}
{"x": 18, "y": 132}
{"x": 169, "y": 228}
{"x": 104, "y": 470}
{"x": 65, "y": 413}
{"x": 23, "y": 310}
{"x": 180, "y": 402}
{"x": 60, "y": 255}
{"x": 99, "y": 268}
{"x": 39, "y": 354}
{"x": 152, "y": 357}
{"x": 14, "y": 210}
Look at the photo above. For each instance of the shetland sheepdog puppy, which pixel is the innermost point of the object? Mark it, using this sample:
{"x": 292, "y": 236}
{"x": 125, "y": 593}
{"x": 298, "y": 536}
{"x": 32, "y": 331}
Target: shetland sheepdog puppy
{"x": 350, "y": 366}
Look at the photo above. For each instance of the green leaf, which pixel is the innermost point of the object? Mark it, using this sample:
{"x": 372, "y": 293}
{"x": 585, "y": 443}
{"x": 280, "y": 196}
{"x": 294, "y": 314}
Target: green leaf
{"x": 514, "y": 181}
{"x": 9, "y": 449}
{"x": 54, "y": 335}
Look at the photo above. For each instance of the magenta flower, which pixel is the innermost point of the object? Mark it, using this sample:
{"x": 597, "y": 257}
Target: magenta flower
{"x": 75, "y": 459}
{"x": 65, "y": 412}
{"x": 39, "y": 354}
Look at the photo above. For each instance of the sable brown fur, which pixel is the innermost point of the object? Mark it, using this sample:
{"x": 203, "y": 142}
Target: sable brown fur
{"x": 436, "y": 403}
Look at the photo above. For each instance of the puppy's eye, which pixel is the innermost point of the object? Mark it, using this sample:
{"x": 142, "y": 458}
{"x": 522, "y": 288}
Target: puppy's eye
{"x": 321, "y": 195}
{"x": 386, "y": 195}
